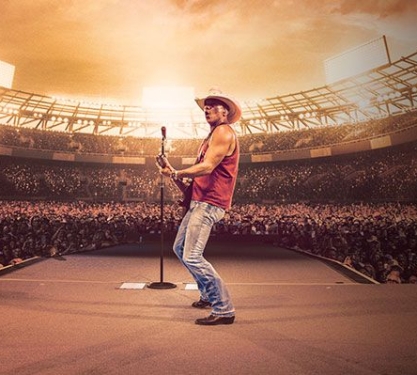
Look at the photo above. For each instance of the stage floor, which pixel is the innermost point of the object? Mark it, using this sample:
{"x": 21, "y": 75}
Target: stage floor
{"x": 294, "y": 315}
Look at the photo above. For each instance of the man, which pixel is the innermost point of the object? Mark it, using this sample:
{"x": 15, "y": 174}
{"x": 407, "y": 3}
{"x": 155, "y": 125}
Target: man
{"x": 214, "y": 177}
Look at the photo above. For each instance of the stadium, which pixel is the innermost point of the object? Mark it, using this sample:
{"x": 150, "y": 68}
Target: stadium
{"x": 324, "y": 216}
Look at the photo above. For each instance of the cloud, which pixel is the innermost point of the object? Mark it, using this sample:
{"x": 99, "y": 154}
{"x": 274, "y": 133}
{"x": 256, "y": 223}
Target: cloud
{"x": 122, "y": 45}
{"x": 379, "y": 8}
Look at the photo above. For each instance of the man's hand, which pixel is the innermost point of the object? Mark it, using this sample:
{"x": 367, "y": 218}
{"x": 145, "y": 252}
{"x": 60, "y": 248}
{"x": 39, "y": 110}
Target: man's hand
{"x": 164, "y": 165}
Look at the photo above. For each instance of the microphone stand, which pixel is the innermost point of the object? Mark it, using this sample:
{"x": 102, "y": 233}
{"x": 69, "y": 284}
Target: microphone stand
{"x": 162, "y": 284}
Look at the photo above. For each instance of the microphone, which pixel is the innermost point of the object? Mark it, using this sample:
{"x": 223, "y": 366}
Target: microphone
{"x": 164, "y": 132}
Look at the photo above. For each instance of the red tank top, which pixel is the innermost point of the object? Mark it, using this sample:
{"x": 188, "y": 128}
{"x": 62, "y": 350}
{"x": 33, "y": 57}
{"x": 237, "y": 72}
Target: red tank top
{"x": 217, "y": 188}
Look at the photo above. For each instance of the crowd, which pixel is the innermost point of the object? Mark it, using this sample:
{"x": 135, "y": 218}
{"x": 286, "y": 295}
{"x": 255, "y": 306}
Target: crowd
{"x": 55, "y": 208}
{"x": 325, "y": 136}
{"x": 381, "y": 175}
{"x": 46, "y": 228}
{"x": 251, "y": 143}
{"x": 378, "y": 240}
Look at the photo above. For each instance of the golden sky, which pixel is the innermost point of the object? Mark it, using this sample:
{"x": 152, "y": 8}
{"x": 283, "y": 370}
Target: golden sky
{"x": 250, "y": 48}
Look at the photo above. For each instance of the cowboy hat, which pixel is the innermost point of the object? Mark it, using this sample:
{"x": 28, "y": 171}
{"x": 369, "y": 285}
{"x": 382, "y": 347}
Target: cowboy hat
{"x": 234, "y": 109}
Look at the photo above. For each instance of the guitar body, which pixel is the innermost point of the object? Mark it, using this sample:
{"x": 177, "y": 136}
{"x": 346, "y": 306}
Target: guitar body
{"x": 187, "y": 193}
{"x": 186, "y": 187}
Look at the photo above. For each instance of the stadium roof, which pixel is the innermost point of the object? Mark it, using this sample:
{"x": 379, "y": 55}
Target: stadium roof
{"x": 385, "y": 91}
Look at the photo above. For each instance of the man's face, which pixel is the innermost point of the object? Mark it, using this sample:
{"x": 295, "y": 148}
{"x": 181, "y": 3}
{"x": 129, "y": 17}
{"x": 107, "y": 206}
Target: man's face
{"x": 215, "y": 111}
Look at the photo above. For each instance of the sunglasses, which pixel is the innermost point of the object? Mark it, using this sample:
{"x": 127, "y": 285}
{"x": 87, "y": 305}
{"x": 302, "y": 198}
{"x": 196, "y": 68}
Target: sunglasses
{"x": 214, "y": 103}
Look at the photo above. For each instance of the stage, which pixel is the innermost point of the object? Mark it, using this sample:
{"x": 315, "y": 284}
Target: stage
{"x": 88, "y": 314}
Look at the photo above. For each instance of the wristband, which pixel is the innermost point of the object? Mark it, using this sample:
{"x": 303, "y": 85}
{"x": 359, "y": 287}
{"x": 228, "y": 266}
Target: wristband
{"x": 174, "y": 175}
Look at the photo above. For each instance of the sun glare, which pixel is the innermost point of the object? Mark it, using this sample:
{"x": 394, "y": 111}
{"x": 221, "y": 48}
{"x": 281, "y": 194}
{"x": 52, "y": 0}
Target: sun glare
{"x": 172, "y": 107}
{"x": 160, "y": 97}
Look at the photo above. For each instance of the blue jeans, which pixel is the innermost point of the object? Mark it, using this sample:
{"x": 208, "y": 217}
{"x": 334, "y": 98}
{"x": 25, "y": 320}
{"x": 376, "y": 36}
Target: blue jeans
{"x": 189, "y": 246}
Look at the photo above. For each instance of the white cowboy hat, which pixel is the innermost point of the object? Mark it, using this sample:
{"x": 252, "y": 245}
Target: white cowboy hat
{"x": 235, "y": 111}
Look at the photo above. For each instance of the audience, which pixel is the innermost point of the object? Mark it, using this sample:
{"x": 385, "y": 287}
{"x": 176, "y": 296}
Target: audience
{"x": 51, "y": 209}
{"x": 379, "y": 240}
{"x": 250, "y": 144}
{"x": 380, "y": 175}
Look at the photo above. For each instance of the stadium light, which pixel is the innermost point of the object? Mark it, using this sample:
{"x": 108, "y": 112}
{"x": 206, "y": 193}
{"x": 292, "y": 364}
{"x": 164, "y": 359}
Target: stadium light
{"x": 6, "y": 74}
{"x": 360, "y": 59}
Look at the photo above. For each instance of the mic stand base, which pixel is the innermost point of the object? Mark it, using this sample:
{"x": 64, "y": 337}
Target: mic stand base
{"x": 162, "y": 285}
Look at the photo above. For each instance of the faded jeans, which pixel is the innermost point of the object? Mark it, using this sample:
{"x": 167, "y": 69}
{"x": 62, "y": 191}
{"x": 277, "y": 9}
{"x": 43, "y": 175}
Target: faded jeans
{"x": 189, "y": 246}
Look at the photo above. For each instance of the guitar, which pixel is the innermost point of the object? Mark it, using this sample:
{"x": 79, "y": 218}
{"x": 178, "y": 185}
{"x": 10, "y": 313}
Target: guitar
{"x": 184, "y": 184}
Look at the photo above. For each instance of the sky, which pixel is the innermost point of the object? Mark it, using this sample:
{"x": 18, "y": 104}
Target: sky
{"x": 110, "y": 50}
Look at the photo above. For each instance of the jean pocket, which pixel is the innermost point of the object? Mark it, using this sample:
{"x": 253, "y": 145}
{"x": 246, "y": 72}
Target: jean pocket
{"x": 217, "y": 213}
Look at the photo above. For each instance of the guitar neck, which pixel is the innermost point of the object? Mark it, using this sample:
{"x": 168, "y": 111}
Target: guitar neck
{"x": 181, "y": 185}
{"x": 161, "y": 160}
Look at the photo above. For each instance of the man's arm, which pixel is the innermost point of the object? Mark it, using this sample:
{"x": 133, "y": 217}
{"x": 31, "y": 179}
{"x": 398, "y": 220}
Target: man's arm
{"x": 221, "y": 145}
